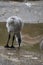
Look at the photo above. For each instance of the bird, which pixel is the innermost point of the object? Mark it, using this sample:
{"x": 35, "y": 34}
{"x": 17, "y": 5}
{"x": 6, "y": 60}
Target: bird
{"x": 14, "y": 25}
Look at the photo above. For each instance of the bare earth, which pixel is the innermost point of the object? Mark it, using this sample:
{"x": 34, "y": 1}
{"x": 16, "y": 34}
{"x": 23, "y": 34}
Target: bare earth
{"x": 20, "y": 56}
{"x": 32, "y": 40}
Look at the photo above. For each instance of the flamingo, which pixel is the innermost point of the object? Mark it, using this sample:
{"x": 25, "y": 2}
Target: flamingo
{"x": 14, "y": 25}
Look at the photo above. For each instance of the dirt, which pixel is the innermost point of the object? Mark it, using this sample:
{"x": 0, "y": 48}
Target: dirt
{"x": 20, "y": 56}
{"x": 32, "y": 40}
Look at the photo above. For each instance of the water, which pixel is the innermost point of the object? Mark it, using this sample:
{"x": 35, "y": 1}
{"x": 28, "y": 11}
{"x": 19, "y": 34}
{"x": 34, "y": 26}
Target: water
{"x": 31, "y": 12}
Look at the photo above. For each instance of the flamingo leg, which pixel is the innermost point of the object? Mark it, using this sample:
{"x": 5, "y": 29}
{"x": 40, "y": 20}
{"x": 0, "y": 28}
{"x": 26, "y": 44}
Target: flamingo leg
{"x": 19, "y": 38}
{"x": 13, "y": 41}
{"x": 6, "y": 46}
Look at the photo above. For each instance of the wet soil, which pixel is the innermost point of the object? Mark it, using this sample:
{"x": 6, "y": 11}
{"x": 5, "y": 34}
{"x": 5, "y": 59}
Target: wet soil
{"x": 19, "y": 57}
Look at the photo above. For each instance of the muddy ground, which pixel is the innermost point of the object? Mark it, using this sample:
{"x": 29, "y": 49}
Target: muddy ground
{"x": 20, "y": 56}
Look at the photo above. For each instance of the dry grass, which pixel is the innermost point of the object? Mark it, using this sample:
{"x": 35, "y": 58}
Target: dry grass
{"x": 30, "y": 29}
{"x": 33, "y": 29}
